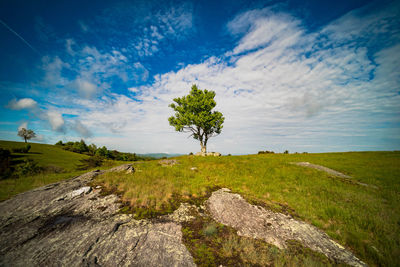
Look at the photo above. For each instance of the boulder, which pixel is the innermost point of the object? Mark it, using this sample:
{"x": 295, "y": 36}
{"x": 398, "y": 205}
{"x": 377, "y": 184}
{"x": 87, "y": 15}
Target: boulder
{"x": 167, "y": 162}
{"x": 273, "y": 227}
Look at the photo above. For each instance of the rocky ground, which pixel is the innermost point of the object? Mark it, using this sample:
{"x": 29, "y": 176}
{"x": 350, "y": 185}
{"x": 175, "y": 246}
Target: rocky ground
{"x": 70, "y": 223}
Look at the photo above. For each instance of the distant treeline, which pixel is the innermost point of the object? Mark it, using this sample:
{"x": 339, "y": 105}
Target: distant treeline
{"x": 266, "y": 152}
{"x": 92, "y": 150}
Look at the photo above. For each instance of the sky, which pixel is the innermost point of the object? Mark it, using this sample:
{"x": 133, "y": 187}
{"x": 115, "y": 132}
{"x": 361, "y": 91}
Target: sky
{"x": 303, "y": 76}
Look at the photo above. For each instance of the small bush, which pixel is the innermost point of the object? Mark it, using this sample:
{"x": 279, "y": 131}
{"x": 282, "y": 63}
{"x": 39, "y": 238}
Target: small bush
{"x": 92, "y": 162}
{"x": 286, "y": 152}
{"x": 22, "y": 149}
{"x": 266, "y": 152}
{"x": 29, "y": 167}
{"x": 210, "y": 230}
{"x": 191, "y": 154}
{"x": 5, "y": 160}
{"x": 59, "y": 143}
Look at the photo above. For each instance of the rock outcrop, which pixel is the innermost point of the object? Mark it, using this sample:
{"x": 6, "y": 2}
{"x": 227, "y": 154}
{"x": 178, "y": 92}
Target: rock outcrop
{"x": 275, "y": 228}
{"x": 331, "y": 172}
{"x": 321, "y": 168}
{"x": 208, "y": 154}
{"x": 71, "y": 224}
{"x": 167, "y": 162}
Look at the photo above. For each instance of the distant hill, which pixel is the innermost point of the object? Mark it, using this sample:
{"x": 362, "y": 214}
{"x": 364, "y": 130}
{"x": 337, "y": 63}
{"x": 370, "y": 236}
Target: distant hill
{"x": 159, "y": 155}
{"x": 45, "y": 155}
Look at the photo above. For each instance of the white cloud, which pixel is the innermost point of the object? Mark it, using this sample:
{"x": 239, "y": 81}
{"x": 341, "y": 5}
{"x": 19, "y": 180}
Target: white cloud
{"x": 85, "y": 88}
{"x": 23, "y": 103}
{"x": 81, "y": 129}
{"x": 55, "y": 119}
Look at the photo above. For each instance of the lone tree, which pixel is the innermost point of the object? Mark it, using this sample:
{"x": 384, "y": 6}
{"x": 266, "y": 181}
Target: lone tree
{"x": 26, "y": 134}
{"x": 194, "y": 115}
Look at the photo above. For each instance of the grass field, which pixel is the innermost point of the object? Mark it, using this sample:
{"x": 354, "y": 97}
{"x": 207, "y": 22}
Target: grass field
{"x": 364, "y": 219}
{"x": 46, "y": 156}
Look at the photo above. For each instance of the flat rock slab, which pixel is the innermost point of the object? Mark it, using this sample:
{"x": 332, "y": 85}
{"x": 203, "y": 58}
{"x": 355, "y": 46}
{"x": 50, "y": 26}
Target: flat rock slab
{"x": 332, "y": 172}
{"x": 275, "y": 228}
{"x": 321, "y": 168}
{"x": 71, "y": 224}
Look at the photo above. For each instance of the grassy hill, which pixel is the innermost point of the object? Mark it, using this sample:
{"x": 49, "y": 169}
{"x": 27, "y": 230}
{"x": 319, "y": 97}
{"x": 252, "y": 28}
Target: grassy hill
{"x": 365, "y": 219}
{"x": 58, "y": 163}
{"x": 46, "y": 155}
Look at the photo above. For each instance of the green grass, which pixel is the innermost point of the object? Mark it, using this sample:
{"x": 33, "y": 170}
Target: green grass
{"x": 364, "y": 219}
{"x": 46, "y": 156}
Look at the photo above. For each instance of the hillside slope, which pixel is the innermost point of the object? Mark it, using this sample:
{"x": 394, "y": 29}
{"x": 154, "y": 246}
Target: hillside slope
{"x": 46, "y": 155}
{"x": 58, "y": 164}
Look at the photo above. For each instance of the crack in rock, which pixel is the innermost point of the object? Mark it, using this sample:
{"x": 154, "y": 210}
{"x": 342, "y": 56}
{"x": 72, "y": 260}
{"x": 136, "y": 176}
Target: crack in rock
{"x": 275, "y": 228}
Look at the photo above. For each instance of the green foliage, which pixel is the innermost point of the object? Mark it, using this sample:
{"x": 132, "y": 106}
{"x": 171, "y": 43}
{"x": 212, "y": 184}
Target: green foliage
{"x": 266, "y": 152}
{"x": 5, "y": 163}
{"x": 89, "y": 163}
{"x": 26, "y": 134}
{"x": 28, "y": 167}
{"x": 286, "y": 152}
{"x": 59, "y": 143}
{"x": 93, "y": 150}
{"x": 24, "y": 149}
{"x": 210, "y": 229}
{"x": 193, "y": 114}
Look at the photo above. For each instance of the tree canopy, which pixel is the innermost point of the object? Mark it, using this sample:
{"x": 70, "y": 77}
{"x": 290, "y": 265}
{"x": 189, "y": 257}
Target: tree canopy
{"x": 193, "y": 114}
{"x": 26, "y": 134}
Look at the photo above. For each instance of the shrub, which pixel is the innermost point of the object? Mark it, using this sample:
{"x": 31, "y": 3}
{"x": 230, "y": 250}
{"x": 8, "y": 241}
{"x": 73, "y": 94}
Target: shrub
{"x": 210, "y": 230}
{"x": 29, "y": 167}
{"x": 22, "y": 149}
{"x": 191, "y": 154}
{"x": 266, "y": 152}
{"x": 5, "y": 160}
{"x": 59, "y": 143}
{"x": 286, "y": 152}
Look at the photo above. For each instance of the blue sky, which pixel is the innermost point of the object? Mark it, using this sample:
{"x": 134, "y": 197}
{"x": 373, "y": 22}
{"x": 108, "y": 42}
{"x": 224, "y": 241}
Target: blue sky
{"x": 296, "y": 75}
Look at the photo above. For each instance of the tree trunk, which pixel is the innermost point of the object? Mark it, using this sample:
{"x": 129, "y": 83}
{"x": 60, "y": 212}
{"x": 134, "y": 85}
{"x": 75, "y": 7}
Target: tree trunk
{"x": 203, "y": 148}
{"x": 25, "y": 139}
